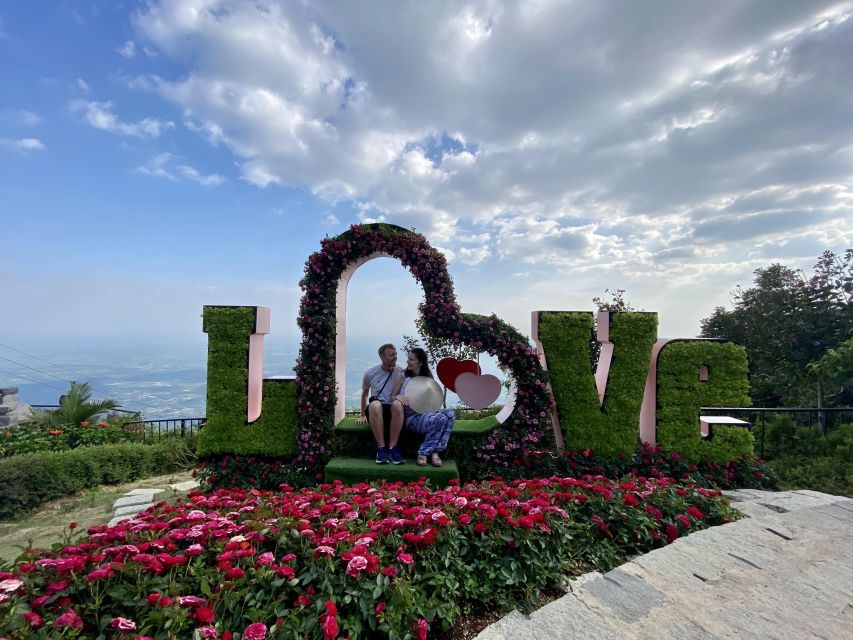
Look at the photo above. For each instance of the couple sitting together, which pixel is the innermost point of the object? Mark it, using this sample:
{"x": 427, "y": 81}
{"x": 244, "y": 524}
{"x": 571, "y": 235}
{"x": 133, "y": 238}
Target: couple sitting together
{"x": 394, "y": 397}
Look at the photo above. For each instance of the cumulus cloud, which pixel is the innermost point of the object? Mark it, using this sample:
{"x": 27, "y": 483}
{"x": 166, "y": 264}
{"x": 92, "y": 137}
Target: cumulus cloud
{"x": 82, "y": 85}
{"x": 23, "y": 144}
{"x": 168, "y": 166}
{"x": 100, "y": 115}
{"x": 552, "y": 134}
{"x": 127, "y": 50}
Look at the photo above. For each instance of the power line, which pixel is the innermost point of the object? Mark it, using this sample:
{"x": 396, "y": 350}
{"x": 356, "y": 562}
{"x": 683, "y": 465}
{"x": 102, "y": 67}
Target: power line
{"x": 19, "y": 375}
{"x": 52, "y": 364}
{"x": 45, "y": 373}
{"x": 76, "y": 374}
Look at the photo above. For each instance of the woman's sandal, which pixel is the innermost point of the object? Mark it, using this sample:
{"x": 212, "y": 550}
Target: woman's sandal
{"x": 421, "y": 461}
{"x": 435, "y": 460}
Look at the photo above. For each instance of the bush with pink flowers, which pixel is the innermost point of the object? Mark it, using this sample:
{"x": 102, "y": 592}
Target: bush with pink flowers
{"x": 393, "y": 560}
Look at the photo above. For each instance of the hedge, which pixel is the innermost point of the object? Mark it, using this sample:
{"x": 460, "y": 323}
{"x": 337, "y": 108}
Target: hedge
{"x": 31, "y": 479}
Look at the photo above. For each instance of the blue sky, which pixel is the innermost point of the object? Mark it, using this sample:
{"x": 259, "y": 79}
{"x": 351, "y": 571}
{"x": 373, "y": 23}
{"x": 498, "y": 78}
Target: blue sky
{"x": 158, "y": 156}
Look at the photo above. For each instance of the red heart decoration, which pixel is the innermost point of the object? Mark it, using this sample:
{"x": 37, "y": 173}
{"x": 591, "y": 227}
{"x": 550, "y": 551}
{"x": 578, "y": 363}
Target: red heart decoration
{"x": 448, "y": 369}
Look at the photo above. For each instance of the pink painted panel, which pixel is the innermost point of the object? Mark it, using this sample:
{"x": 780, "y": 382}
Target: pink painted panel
{"x": 534, "y": 335}
{"x": 256, "y": 363}
{"x": 478, "y": 392}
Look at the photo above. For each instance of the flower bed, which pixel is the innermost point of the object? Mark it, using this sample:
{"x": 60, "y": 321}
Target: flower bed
{"x": 334, "y": 561}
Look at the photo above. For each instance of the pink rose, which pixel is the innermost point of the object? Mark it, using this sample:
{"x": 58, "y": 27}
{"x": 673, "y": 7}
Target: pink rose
{"x": 123, "y": 624}
{"x": 33, "y": 619}
{"x": 255, "y": 631}
{"x": 356, "y": 566}
{"x": 69, "y": 619}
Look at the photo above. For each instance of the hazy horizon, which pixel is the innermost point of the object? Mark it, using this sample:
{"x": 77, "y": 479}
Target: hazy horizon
{"x": 163, "y": 379}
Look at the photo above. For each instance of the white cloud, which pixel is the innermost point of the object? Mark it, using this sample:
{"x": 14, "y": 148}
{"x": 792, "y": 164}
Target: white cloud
{"x": 168, "y": 166}
{"x": 82, "y": 85}
{"x": 538, "y": 132}
{"x": 127, "y": 50}
{"x": 190, "y": 173}
{"x": 473, "y": 256}
{"x": 19, "y": 117}
{"x": 331, "y": 220}
{"x": 100, "y": 115}
{"x": 23, "y": 144}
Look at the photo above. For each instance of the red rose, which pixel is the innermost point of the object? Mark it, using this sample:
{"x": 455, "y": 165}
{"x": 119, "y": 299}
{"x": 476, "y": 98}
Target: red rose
{"x": 204, "y": 614}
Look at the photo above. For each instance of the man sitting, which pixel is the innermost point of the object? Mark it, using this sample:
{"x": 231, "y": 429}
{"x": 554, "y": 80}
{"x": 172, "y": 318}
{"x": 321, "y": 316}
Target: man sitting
{"x": 377, "y": 409}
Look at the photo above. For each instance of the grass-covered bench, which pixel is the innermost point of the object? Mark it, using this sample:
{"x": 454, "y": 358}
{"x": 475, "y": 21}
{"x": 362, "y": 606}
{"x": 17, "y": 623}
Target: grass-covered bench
{"x": 354, "y": 447}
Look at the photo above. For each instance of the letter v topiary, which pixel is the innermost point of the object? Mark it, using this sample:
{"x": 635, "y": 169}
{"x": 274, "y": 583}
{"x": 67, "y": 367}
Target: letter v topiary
{"x": 608, "y": 427}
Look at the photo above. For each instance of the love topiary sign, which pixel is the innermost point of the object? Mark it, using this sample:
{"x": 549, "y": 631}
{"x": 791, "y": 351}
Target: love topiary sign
{"x": 294, "y": 418}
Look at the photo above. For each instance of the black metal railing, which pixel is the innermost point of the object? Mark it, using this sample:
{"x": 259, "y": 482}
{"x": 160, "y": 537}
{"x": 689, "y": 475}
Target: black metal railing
{"x": 822, "y": 420}
{"x": 172, "y": 427}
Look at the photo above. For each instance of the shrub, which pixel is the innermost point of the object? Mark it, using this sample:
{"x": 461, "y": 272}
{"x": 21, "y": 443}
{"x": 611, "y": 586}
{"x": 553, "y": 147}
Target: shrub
{"x": 40, "y": 436}
{"x": 30, "y": 479}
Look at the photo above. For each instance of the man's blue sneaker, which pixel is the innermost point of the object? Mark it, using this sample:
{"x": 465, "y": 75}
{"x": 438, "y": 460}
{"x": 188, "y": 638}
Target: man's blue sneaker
{"x": 395, "y": 456}
{"x": 382, "y": 455}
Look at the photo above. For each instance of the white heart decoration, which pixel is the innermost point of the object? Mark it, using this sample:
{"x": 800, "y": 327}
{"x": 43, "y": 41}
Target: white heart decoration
{"x": 478, "y": 392}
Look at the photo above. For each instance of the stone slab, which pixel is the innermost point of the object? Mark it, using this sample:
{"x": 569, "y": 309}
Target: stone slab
{"x": 143, "y": 492}
{"x": 127, "y": 501}
{"x": 118, "y": 519}
{"x": 623, "y": 594}
{"x": 131, "y": 510}
{"x": 184, "y": 486}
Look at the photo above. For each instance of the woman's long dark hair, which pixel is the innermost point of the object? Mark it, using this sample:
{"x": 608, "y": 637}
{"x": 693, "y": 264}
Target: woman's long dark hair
{"x": 421, "y": 355}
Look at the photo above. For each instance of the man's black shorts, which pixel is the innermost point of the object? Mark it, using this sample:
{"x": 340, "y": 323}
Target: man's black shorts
{"x": 386, "y": 414}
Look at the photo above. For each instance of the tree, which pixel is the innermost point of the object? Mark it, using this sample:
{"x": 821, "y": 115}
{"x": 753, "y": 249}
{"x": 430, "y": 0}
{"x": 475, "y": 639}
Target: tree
{"x": 787, "y": 321}
{"x": 77, "y": 406}
{"x": 436, "y": 348}
{"x": 616, "y": 303}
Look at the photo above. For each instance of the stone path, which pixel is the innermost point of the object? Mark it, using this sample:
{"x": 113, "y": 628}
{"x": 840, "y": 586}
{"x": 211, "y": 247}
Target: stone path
{"x": 138, "y": 500}
{"x": 785, "y": 572}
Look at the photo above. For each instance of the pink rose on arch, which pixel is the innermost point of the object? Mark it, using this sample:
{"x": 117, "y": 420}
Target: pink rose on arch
{"x": 123, "y": 624}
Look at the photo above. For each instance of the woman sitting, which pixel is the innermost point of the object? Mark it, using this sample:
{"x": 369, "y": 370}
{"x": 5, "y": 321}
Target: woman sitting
{"x": 436, "y": 425}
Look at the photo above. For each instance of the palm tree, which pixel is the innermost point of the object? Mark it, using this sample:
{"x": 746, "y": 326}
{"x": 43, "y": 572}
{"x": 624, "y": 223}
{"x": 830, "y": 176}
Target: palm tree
{"x": 77, "y": 406}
